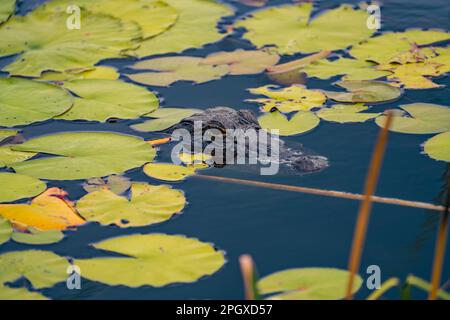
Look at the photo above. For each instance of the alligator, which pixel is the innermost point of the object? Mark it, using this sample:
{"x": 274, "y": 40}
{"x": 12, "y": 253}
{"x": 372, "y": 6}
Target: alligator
{"x": 222, "y": 119}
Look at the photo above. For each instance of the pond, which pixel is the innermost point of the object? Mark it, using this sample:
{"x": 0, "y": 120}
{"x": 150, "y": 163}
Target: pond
{"x": 280, "y": 229}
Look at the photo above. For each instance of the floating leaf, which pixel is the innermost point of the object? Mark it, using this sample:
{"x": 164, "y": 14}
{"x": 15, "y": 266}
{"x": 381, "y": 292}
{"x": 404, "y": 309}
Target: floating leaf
{"x": 293, "y": 98}
{"x": 253, "y": 3}
{"x": 344, "y": 113}
{"x": 412, "y": 75}
{"x": 36, "y": 237}
{"x": 423, "y": 118}
{"x": 365, "y": 91}
{"x": 48, "y": 211}
{"x": 167, "y": 70}
{"x": 308, "y": 284}
{"x": 164, "y": 119}
{"x": 8, "y": 156}
{"x": 290, "y": 29}
{"x": 195, "y": 27}
{"x": 7, "y": 8}
{"x": 148, "y": 205}
{"x": 19, "y": 187}
{"x": 117, "y": 184}
{"x": 25, "y": 101}
{"x": 43, "y": 42}
{"x": 6, "y": 231}
{"x": 155, "y": 259}
{"x": 100, "y": 100}
{"x": 438, "y": 147}
{"x": 5, "y": 134}
{"x": 100, "y": 72}
{"x": 301, "y": 122}
{"x": 194, "y": 158}
{"x": 243, "y": 61}
{"x": 84, "y": 155}
{"x": 42, "y": 269}
{"x": 168, "y": 171}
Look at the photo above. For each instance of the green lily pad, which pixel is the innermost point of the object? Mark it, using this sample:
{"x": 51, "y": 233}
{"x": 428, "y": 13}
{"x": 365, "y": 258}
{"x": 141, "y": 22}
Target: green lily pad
{"x": 438, "y": 147}
{"x": 117, "y": 184}
{"x": 290, "y": 28}
{"x": 6, "y": 231}
{"x": 167, "y": 70}
{"x": 99, "y": 72}
{"x": 308, "y": 284}
{"x": 42, "y": 268}
{"x": 155, "y": 260}
{"x": 168, "y": 171}
{"x": 301, "y": 122}
{"x": 7, "y": 8}
{"x": 43, "y": 42}
{"x": 19, "y": 187}
{"x": 5, "y": 134}
{"x": 100, "y": 100}
{"x": 36, "y": 237}
{"x": 26, "y": 101}
{"x": 164, "y": 119}
{"x": 195, "y": 27}
{"x": 345, "y": 113}
{"x": 365, "y": 91}
{"x": 422, "y": 118}
{"x": 84, "y": 155}
{"x": 148, "y": 205}
{"x": 8, "y": 156}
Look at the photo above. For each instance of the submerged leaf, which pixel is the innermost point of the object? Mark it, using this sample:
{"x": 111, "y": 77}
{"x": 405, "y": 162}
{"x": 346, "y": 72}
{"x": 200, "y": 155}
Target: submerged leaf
{"x": 155, "y": 259}
{"x": 100, "y": 100}
{"x": 438, "y": 147}
{"x": 164, "y": 119}
{"x": 422, "y": 118}
{"x": 167, "y": 70}
{"x": 301, "y": 122}
{"x": 117, "y": 184}
{"x": 344, "y": 113}
{"x": 308, "y": 284}
{"x": 289, "y": 28}
{"x": 48, "y": 211}
{"x": 19, "y": 187}
{"x": 365, "y": 91}
{"x": 7, "y": 8}
{"x": 148, "y": 205}
{"x": 84, "y": 155}
{"x": 25, "y": 101}
{"x": 168, "y": 171}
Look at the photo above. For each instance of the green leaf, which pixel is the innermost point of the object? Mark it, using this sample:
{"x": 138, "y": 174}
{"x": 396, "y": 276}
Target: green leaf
{"x": 148, "y": 205}
{"x": 5, "y": 134}
{"x": 43, "y": 42}
{"x": 117, "y": 184}
{"x": 19, "y": 187}
{"x": 291, "y": 29}
{"x": 365, "y": 91}
{"x": 167, "y": 70}
{"x": 6, "y": 231}
{"x": 84, "y": 155}
{"x": 8, "y": 156}
{"x": 7, "y": 8}
{"x": 164, "y": 119}
{"x": 100, "y": 100}
{"x": 99, "y": 72}
{"x": 36, "y": 237}
{"x": 426, "y": 286}
{"x": 25, "y": 101}
{"x": 422, "y": 118}
{"x": 301, "y": 122}
{"x": 308, "y": 284}
{"x": 155, "y": 260}
{"x": 195, "y": 27}
{"x": 438, "y": 147}
{"x": 168, "y": 171}
{"x": 344, "y": 113}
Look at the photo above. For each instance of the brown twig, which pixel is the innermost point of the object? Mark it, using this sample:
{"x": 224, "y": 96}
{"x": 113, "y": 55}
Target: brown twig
{"x": 248, "y": 276}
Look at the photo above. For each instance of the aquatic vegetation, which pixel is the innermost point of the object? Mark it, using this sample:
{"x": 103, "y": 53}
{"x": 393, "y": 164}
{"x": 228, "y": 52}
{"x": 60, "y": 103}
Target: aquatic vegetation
{"x": 19, "y": 187}
{"x": 37, "y": 237}
{"x": 164, "y": 118}
{"x": 300, "y": 122}
{"x": 344, "y": 113}
{"x": 438, "y": 147}
{"x": 168, "y": 171}
{"x": 365, "y": 91}
{"x": 99, "y": 72}
{"x": 7, "y": 8}
{"x": 116, "y": 184}
{"x": 9, "y": 156}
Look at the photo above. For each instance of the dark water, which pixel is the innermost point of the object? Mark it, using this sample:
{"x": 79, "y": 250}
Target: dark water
{"x": 281, "y": 229}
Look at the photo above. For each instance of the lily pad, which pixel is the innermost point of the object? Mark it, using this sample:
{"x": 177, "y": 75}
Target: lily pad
{"x": 7, "y": 8}
{"x": 167, "y": 70}
{"x": 6, "y": 230}
{"x": 195, "y": 27}
{"x": 148, "y": 205}
{"x": 345, "y": 113}
{"x": 155, "y": 260}
{"x": 5, "y": 134}
{"x": 243, "y": 61}
{"x": 164, "y": 119}
{"x": 100, "y": 72}
{"x": 8, "y": 156}
{"x": 36, "y": 237}
{"x": 48, "y": 211}
{"x": 100, "y": 100}
{"x": 365, "y": 91}
{"x": 43, "y": 42}
{"x": 422, "y": 118}
{"x": 301, "y": 122}
{"x": 290, "y": 28}
{"x": 19, "y": 187}
{"x": 168, "y": 171}
{"x": 307, "y": 284}
{"x": 413, "y": 75}
{"x": 438, "y": 147}
{"x": 25, "y": 101}
{"x": 84, "y": 155}
{"x": 117, "y": 184}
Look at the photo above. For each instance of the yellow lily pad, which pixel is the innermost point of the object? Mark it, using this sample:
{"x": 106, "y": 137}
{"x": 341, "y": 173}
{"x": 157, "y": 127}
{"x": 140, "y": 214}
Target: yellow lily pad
{"x": 345, "y": 113}
{"x": 168, "y": 171}
{"x": 438, "y": 147}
